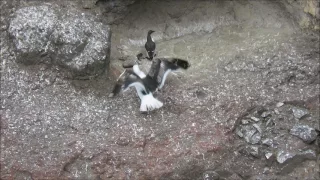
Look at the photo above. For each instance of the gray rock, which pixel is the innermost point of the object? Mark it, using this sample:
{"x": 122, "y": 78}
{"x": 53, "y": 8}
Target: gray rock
{"x": 122, "y": 141}
{"x": 255, "y": 119}
{"x": 304, "y": 132}
{"x": 244, "y": 121}
{"x": 210, "y": 175}
{"x": 83, "y": 48}
{"x": 288, "y": 161}
{"x": 257, "y": 127}
{"x": 235, "y": 177}
{"x": 270, "y": 158}
{"x": 239, "y": 133}
{"x": 254, "y": 151}
{"x": 266, "y": 170}
{"x": 71, "y": 38}
{"x": 308, "y": 154}
{"x": 266, "y": 114}
{"x": 268, "y": 155}
{"x": 250, "y": 150}
{"x": 269, "y": 122}
{"x": 299, "y": 112}
{"x": 31, "y": 30}
{"x": 283, "y": 156}
{"x": 249, "y": 133}
{"x": 279, "y": 104}
{"x": 268, "y": 142}
{"x": 255, "y": 139}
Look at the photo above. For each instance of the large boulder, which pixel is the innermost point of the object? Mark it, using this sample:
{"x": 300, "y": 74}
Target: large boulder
{"x": 31, "y": 30}
{"x": 67, "y": 37}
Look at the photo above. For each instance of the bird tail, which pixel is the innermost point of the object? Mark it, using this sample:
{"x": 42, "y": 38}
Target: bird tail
{"x": 181, "y": 63}
{"x": 149, "y": 103}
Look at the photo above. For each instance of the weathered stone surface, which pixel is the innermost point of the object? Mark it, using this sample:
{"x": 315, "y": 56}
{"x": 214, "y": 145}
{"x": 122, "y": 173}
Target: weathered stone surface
{"x": 84, "y": 48}
{"x": 307, "y": 12}
{"x": 266, "y": 114}
{"x": 67, "y": 37}
{"x": 312, "y": 7}
{"x": 57, "y": 128}
{"x": 255, "y": 119}
{"x": 31, "y": 30}
{"x": 251, "y": 133}
{"x": 276, "y": 137}
{"x": 254, "y": 151}
{"x": 268, "y": 142}
{"x": 279, "y": 104}
{"x": 248, "y": 132}
{"x": 283, "y": 156}
{"x": 299, "y": 112}
{"x": 289, "y": 161}
{"x": 250, "y": 150}
{"x": 304, "y": 132}
{"x": 268, "y": 155}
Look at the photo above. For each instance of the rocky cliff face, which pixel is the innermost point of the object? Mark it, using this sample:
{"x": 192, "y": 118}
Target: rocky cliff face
{"x": 306, "y": 13}
{"x": 247, "y": 108}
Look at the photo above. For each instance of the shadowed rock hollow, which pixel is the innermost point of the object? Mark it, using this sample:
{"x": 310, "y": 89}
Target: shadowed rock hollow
{"x": 247, "y": 108}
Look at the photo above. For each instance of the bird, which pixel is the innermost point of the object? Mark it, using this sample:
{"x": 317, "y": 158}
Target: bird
{"x": 147, "y": 84}
{"x": 150, "y": 46}
{"x": 131, "y": 79}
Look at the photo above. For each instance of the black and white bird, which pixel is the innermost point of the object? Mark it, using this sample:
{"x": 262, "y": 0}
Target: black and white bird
{"x": 150, "y": 45}
{"x": 146, "y": 84}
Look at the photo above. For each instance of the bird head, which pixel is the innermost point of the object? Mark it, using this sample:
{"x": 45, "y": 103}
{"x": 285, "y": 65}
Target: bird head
{"x": 151, "y": 31}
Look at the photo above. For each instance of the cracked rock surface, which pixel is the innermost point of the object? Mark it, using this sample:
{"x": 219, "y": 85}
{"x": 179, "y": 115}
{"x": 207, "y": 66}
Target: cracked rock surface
{"x": 243, "y": 110}
{"x": 67, "y": 37}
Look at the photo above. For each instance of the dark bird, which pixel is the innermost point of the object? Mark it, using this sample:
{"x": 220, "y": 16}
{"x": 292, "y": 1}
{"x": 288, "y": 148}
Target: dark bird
{"x": 146, "y": 84}
{"x": 150, "y": 46}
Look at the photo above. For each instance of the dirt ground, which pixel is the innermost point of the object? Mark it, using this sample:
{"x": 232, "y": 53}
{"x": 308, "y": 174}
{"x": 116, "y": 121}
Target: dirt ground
{"x": 246, "y": 57}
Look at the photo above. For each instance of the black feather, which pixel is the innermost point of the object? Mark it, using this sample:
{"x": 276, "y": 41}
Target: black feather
{"x": 182, "y": 63}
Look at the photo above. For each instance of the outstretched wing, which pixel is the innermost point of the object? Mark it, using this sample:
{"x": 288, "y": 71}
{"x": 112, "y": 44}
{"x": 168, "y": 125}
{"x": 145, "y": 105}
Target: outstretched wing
{"x": 168, "y": 65}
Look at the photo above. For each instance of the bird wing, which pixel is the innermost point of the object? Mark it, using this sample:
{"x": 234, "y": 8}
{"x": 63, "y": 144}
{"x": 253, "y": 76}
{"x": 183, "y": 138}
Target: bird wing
{"x": 129, "y": 79}
{"x": 168, "y": 65}
{"x": 138, "y": 72}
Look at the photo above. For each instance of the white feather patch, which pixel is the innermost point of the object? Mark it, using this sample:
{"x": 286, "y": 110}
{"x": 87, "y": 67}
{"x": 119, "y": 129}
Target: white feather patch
{"x": 138, "y": 72}
{"x": 164, "y": 78}
{"x": 139, "y": 88}
{"x": 149, "y": 103}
